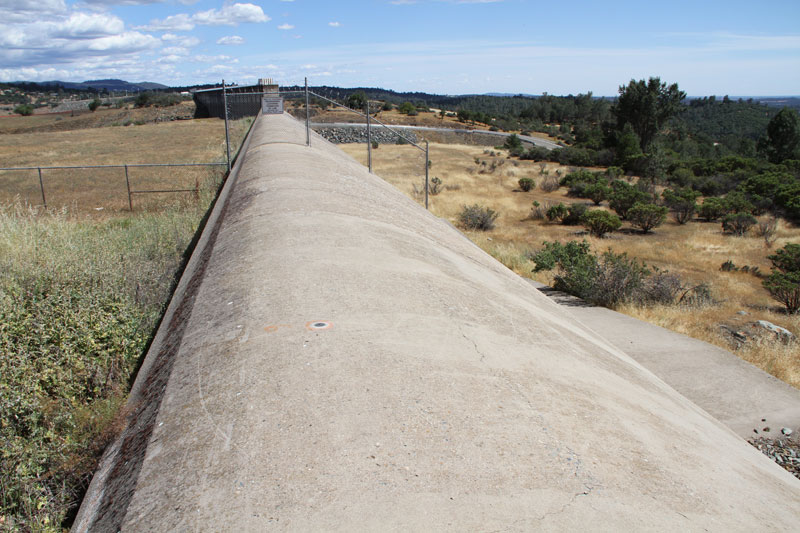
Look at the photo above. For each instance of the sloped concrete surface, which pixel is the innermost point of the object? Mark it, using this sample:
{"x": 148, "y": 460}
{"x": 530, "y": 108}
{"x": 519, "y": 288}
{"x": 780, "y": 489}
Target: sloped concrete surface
{"x": 352, "y": 363}
{"x": 733, "y": 391}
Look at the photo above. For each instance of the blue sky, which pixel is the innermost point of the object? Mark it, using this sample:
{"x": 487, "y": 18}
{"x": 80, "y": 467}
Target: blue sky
{"x": 442, "y": 46}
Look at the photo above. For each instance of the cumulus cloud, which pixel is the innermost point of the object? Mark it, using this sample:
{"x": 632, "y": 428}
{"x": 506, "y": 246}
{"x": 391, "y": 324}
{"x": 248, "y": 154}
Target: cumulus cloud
{"x": 63, "y": 37}
{"x": 27, "y": 10}
{"x": 285, "y": 27}
{"x": 334, "y": 24}
{"x": 231, "y": 40}
{"x": 228, "y": 15}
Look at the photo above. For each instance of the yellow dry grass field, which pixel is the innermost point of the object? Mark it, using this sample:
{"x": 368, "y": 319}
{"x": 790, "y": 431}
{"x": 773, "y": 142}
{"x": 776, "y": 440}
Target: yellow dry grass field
{"x": 87, "y": 190}
{"x": 695, "y": 251}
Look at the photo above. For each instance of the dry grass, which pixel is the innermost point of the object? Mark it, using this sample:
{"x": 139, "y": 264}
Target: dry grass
{"x": 89, "y": 190}
{"x": 695, "y": 250}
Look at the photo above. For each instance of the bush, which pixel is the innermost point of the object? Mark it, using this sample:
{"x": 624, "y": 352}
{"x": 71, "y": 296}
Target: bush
{"x": 599, "y": 222}
{"x": 597, "y": 192}
{"x": 712, "y": 209}
{"x": 526, "y": 184}
{"x": 153, "y": 99}
{"x": 407, "y": 108}
{"x": 783, "y": 282}
{"x": 556, "y": 213}
{"x": 624, "y": 196}
{"x": 477, "y": 217}
{"x": 435, "y": 186}
{"x": 94, "y": 104}
{"x": 24, "y": 109}
{"x": 682, "y": 202}
{"x": 647, "y": 216}
{"x": 375, "y": 145}
{"x": 536, "y": 153}
{"x": 607, "y": 280}
{"x": 575, "y": 213}
{"x": 738, "y": 223}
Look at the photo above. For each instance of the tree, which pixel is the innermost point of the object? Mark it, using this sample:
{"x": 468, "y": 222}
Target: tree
{"x": 624, "y": 196}
{"x": 407, "y": 108}
{"x": 738, "y": 223}
{"x": 683, "y": 203}
{"x": 599, "y": 222}
{"x": 647, "y": 216}
{"x": 783, "y": 136}
{"x": 24, "y": 110}
{"x": 646, "y": 106}
{"x": 783, "y": 282}
{"x": 94, "y": 104}
{"x": 629, "y": 148}
{"x": 713, "y": 208}
{"x": 357, "y": 100}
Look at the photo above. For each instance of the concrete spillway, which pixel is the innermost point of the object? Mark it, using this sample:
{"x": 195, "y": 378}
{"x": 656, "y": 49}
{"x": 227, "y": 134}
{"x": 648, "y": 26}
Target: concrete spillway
{"x": 336, "y": 358}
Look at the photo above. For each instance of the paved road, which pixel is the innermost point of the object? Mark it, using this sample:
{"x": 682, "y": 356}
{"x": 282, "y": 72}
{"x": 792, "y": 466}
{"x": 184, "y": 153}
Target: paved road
{"x": 339, "y": 359}
{"x": 732, "y": 390}
{"x": 544, "y": 143}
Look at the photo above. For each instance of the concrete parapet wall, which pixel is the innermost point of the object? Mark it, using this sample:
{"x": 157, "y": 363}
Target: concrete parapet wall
{"x": 341, "y": 359}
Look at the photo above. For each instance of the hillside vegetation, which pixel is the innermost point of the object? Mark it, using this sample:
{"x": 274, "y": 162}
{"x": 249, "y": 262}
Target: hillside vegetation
{"x": 82, "y": 287}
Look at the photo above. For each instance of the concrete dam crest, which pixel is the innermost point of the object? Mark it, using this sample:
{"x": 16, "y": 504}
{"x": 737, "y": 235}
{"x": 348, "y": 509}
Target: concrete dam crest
{"x": 337, "y": 358}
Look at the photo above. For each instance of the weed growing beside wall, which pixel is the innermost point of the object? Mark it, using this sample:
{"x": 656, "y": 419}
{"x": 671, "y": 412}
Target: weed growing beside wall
{"x": 78, "y": 303}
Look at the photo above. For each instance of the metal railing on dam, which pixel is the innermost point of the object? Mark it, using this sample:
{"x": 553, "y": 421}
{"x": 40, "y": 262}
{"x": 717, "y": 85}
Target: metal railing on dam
{"x": 337, "y": 358}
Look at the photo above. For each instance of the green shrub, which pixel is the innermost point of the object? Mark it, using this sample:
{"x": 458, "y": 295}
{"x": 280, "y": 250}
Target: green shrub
{"x": 623, "y": 197}
{"x": 712, "y": 209}
{"x": 477, "y": 217}
{"x": 24, "y": 109}
{"x": 78, "y": 302}
{"x": 526, "y": 184}
{"x": 94, "y": 104}
{"x": 682, "y": 202}
{"x": 599, "y": 222}
{"x": 738, "y": 223}
{"x": 783, "y": 283}
{"x": 597, "y": 192}
{"x": 435, "y": 186}
{"x": 575, "y": 213}
{"x": 607, "y": 280}
{"x": 407, "y": 108}
{"x": 512, "y": 142}
{"x": 556, "y": 213}
{"x": 647, "y": 216}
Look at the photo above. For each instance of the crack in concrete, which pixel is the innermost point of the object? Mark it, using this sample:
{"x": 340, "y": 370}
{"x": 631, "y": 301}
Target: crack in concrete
{"x": 475, "y": 344}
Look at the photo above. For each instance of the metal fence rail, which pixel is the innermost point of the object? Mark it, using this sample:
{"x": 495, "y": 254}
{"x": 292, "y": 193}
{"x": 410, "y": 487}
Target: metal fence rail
{"x": 126, "y": 166}
{"x": 369, "y": 118}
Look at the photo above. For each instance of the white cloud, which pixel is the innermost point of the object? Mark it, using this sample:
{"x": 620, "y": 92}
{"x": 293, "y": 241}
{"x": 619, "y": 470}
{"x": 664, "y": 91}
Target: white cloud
{"x": 179, "y": 22}
{"x": 334, "y": 24}
{"x": 175, "y": 51}
{"x": 83, "y": 25}
{"x": 122, "y": 2}
{"x": 231, "y": 40}
{"x": 231, "y": 15}
{"x": 285, "y": 27}
{"x": 213, "y": 59}
{"x": 228, "y": 15}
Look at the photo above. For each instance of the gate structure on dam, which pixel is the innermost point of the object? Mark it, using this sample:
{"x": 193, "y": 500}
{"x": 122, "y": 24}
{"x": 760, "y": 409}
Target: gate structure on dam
{"x": 335, "y": 357}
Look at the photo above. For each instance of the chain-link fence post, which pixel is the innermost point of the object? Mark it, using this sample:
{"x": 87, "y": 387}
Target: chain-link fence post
{"x": 308, "y": 118}
{"x": 41, "y": 186}
{"x": 369, "y": 141}
{"x": 227, "y": 133}
{"x": 427, "y": 165}
{"x": 128, "y": 185}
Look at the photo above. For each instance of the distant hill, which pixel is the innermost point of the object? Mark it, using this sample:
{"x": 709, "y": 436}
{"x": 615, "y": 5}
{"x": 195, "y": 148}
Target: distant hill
{"x": 109, "y": 85}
